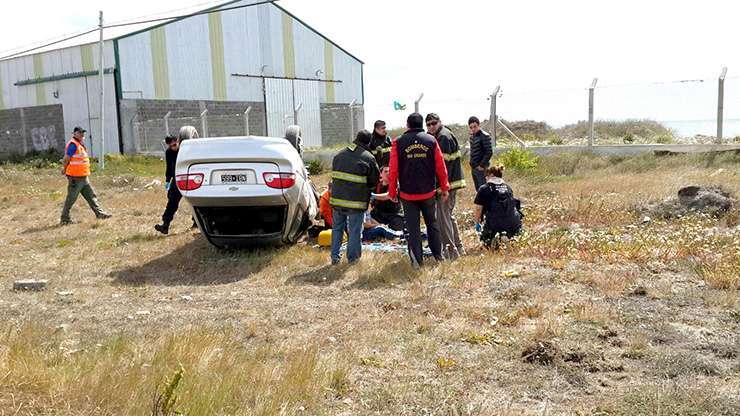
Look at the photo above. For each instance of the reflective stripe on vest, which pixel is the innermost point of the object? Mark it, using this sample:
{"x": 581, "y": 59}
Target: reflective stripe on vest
{"x": 458, "y": 184}
{"x": 79, "y": 162}
{"x": 451, "y": 156}
{"x": 385, "y": 149}
{"x": 348, "y": 204}
{"x": 349, "y": 177}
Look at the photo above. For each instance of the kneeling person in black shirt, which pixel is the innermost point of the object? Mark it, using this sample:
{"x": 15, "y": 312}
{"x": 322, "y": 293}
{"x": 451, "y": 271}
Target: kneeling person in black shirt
{"x": 384, "y": 210}
{"x": 495, "y": 200}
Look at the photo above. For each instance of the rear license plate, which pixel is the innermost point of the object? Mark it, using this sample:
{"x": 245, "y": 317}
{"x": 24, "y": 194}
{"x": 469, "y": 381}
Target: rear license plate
{"x": 240, "y": 178}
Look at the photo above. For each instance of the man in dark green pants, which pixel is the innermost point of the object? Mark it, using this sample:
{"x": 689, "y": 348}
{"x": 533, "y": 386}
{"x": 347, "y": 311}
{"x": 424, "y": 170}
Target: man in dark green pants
{"x": 76, "y": 167}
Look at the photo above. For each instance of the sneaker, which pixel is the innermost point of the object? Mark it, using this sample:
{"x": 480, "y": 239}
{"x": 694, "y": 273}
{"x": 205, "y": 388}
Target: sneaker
{"x": 162, "y": 228}
{"x": 334, "y": 262}
{"x": 103, "y": 216}
{"x": 65, "y": 222}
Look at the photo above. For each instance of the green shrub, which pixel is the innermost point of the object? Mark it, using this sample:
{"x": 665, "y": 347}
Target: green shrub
{"x": 37, "y": 160}
{"x": 616, "y": 129}
{"x": 664, "y": 139}
{"x": 628, "y": 138}
{"x": 737, "y": 139}
{"x": 556, "y": 141}
{"x": 519, "y": 159}
{"x": 315, "y": 167}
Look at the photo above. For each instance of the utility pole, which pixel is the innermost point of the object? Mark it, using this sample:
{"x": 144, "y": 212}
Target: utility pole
{"x": 416, "y": 103}
{"x": 721, "y": 104}
{"x": 102, "y": 97}
{"x": 591, "y": 112}
{"x": 493, "y": 117}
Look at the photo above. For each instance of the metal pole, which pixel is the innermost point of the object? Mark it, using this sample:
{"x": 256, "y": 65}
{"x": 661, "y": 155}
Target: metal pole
{"x": 591, "y": 112}
{"x": 167, "y": 123}
{"x": 295, "y": 113}
{"x": 246, "y": 120}
{"x": 352, "y": 120}
{"x": 416, "y": 103}
{"x": 102, "y": 97}
{"x": 721, "y": 104}
{"x": 493, "y": 118}
{"x": 204, "y": 123}
{"x": 508, "y": 130}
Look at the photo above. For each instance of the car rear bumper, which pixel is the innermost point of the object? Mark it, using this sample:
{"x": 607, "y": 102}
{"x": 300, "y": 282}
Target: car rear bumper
{"x": 236, "y": 225}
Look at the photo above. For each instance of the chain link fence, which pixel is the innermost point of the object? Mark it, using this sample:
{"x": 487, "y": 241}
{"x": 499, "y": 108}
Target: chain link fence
{"x": 149, "y": 134}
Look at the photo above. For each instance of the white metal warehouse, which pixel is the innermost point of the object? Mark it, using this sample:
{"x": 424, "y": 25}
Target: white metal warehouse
{"x": 243, "y": 65}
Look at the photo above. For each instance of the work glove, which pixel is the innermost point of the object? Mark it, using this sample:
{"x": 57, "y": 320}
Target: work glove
{"x": 478, "y": 227}
{"x": 167, "y": 186}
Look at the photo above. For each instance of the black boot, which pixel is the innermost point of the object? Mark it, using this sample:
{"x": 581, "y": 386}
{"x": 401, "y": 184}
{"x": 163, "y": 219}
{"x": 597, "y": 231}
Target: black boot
{"x": 163, "y": 228}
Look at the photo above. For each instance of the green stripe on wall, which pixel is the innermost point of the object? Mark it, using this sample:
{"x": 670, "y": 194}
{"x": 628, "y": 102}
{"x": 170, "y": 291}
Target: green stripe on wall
{"x": 288, "y": 50}
{"x": 218, "y": 67}
{"x": 160, "y": 70}
{"x": 38, "y": 72}
{"x": 329, "y": 65}
{"x": 88, "y": 63}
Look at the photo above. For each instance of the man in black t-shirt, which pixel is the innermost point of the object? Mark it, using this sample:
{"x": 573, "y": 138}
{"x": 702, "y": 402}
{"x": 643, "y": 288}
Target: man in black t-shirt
{"x": 495, "y": 200}
{"x": 173, "y": 194}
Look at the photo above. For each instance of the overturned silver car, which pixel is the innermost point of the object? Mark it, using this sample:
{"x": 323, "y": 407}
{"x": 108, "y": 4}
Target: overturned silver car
{"x": 246, "y": 190}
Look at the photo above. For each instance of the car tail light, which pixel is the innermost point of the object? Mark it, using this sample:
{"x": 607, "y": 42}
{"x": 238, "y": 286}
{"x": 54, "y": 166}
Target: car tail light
{"x": 189, "y": 182}
{"x": 279, "y": 180}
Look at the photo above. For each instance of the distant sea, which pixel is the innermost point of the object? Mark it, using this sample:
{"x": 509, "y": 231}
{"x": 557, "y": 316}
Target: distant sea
{"x": 690, "y": 128}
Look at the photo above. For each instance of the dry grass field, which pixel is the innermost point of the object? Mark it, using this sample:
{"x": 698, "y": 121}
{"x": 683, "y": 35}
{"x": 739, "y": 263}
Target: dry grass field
{"x": 593, "y": 312}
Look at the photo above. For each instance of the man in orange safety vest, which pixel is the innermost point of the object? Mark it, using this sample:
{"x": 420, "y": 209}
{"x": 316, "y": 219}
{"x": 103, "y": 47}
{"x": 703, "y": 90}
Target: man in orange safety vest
{"x": 76, "y": 167}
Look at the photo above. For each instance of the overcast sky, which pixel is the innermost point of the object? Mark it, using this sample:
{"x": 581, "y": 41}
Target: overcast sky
{"x": 544, "y": 53}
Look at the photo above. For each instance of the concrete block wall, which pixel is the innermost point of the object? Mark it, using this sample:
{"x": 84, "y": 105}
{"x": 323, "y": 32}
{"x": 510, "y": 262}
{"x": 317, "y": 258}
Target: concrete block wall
{"x": 335, "y": 123}
{"x": 32, "y": 129}
{"x": 142, "y": 121}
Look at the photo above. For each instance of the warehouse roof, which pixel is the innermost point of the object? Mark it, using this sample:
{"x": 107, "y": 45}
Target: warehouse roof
{"x": 125, "y": 28}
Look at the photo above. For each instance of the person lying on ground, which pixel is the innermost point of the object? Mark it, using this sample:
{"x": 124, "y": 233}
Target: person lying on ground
{"x": 325, "y": 206}
{"x": 495, "y": 201}
{"x": 386, "y": 211}
{"x": 373, "y": 230}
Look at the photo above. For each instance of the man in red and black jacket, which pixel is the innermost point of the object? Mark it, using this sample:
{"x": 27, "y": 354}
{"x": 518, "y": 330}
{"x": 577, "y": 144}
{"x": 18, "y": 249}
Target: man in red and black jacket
{"x": 417, "y": 169}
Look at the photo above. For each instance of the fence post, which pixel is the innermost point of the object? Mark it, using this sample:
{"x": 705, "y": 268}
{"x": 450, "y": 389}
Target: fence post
{"x": 721, "y": 104}
{"x": 135, "y": 132}
{"x": 493, "y": 118}
{"x": 204, "y": 123}
{"x": 246, "y": 120}
{"x": 416, "y": 103}
{"x": 352, "y": 120}
{"x": 296, "y": 110}
{"x": 167, "y": 123}
{"x": 591, "y": 112}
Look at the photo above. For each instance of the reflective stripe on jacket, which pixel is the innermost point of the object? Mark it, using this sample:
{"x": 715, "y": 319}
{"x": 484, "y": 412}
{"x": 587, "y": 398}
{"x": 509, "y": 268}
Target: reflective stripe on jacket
{"x": 354, "y": 175}
{"x": 451, "y": 153}
{"x": 381, "y": 149}
{"x": 79, "y": 163}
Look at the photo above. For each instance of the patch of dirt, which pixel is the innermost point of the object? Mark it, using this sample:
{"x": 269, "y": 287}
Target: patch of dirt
{"x": 541, "y": 352}
{"x": 712, "y": 200}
